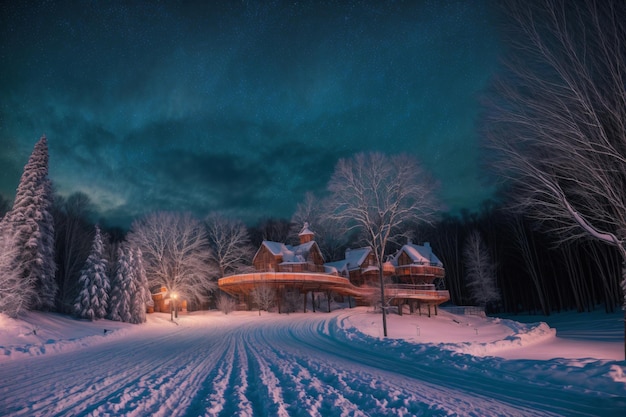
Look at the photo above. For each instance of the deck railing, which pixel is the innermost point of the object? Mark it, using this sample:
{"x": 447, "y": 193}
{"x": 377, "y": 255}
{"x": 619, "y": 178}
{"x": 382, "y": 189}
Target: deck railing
{"x": 329, "y": 282}
{"x": 416, "y": 291}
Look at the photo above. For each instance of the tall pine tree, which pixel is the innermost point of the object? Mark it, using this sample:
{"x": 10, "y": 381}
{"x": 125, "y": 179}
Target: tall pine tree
{"x": 120, "y": 309}
{"x": 31, "y": 219}
{"x": 141, "y": 295}
{"x": 93, "y": 299}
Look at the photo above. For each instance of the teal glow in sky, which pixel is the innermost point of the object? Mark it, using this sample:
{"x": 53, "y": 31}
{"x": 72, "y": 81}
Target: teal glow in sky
{"x": 239, "y": 107}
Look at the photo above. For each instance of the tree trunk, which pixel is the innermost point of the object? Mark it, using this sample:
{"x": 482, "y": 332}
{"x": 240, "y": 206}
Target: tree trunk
{"x": 382, "y": 295}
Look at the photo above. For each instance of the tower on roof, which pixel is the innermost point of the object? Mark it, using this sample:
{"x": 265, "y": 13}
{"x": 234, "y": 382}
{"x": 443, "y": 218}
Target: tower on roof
{"x": 305, "y": 235}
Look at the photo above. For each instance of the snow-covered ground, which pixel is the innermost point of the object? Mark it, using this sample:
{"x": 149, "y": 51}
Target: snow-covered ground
{"x": 319, "y": 364}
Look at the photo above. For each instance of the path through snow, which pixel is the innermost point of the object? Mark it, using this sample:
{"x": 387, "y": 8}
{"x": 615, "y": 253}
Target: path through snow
{"x": 294, "y": 365}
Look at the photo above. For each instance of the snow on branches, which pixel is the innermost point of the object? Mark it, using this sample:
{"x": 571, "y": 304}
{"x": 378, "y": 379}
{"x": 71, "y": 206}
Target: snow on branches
{"x": 93, "y": 298}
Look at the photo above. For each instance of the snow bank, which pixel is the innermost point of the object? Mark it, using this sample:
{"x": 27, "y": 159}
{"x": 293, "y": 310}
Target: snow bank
{"x": 39, "y": 333}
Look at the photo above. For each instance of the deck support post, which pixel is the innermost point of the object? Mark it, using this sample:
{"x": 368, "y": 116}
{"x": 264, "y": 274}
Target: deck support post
{"x": 304, "y": 309}
{"x": 313, "y": 300}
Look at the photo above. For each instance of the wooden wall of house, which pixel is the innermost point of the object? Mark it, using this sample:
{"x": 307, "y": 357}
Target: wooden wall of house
{"x": 404, "y": 259}
{"x": 356, "y": 278}
{"x": 315, "y": 255}
{"x": 266, "y": 260}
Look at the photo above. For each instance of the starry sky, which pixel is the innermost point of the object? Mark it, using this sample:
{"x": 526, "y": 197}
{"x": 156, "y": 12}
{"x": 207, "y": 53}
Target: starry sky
{"x": 240, "y": 106}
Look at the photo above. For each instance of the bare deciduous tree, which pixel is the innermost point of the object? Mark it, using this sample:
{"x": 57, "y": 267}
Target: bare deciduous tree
{"x": 330, "y": 239}
{"x": 275, "y": 230}
{"x": 263, "y": 296}
{"x": 480, "y": 271}
{"x": 225, "y": 303}
{"x": 378, "y": 195}
{"x": 231, "y": 251}
{"x": 175, "y": 254}
{"x": 558, "y": 118}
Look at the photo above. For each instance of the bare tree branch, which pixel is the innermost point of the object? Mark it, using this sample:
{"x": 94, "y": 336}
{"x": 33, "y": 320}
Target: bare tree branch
{"x": 378, "y": 195}
{"x": 230, "y": 249}
{"x": 175, "y": 253}
{"x": 558, "y": 120}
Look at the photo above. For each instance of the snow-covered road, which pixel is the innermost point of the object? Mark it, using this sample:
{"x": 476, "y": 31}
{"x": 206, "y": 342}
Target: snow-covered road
{"x": 277, "y": 365}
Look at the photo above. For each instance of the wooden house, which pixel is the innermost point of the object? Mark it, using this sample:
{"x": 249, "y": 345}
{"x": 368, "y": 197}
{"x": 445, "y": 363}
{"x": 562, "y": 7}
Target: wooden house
{"x": 417, "y": 264}
{"x": 278, "y": 257}
{"x": 163, "y": 302}
{"x": 359, "y": 265}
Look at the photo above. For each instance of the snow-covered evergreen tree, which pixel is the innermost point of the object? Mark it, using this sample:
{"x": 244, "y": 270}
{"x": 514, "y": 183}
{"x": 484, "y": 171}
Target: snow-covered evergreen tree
{"x": 480, "y": 271}
{"x": 140, "y": 291}
{"x": 14, "y": 293}
{"x": 121, "y": 291}
{"x": 31, "y": 219}
{"x": 93, "y": 299}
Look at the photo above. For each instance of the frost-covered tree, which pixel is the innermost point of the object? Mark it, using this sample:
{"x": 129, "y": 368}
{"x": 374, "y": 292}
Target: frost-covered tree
{"x": 176, "y": 254}
{"x": 122, "y": 288}
{"x": 15, "y": 293}
{"x": 263, "y": 296}
{"x": 31, "y": 219}
{"x": 230, "y": 249}
{"x": 330, "y": 239}
{"x": 225, "y": 303}
{"x": 480, "y": 271}
{"x": 557, "y": 120}
{"x": 93, "y": 299}
{"x": 140, "y": 296}
{"x": 379, "y": 195}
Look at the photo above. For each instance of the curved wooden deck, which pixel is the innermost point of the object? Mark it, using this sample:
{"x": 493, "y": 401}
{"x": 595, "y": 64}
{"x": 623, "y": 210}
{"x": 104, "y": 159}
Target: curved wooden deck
{"x": 305, "y": 282}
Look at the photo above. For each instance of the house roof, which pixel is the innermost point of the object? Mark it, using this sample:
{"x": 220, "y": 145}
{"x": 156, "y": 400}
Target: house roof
{"x": 338, "y": 266}
{"x": 353, "y": 260}
{"x": 290, "y": 254}
{"x": 419, "y": 254}
{"x": 305, "y": 230}
{"x": 356, "y": 257}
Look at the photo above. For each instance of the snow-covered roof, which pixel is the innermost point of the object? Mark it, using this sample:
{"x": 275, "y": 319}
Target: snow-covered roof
{"x": 329, "y": 269}
{"x": 419, "y": 254}
{"x": 370, "y": 268}
{"x": 356, "y": 257}
{"x": 276, "y": 248}
{"x": 339, "y": 266}
{"x": 353, "y": 260}
{"x": 290, "y": 254}
{"x": 305, "y": 230}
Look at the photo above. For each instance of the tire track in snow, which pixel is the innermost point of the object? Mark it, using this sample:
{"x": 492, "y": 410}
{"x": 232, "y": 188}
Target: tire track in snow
{"x": 310, "y": 396}
{"x": 275, "y": 365}
{"x": 269, "y": 387}
{"x": 210, "y": 398}
{"x": 237, "y": 404}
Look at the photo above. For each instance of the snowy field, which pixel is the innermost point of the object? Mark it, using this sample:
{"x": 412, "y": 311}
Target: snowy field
{"x": 317, "y": 364}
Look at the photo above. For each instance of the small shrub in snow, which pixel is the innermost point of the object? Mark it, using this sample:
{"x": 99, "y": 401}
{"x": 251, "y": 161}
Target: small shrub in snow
{"x": 226, "y": 303}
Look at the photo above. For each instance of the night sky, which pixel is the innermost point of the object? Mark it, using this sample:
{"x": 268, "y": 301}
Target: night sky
{"x": 239, "y": 107}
